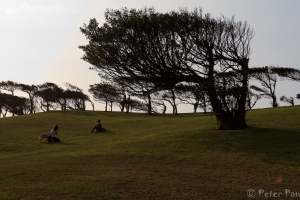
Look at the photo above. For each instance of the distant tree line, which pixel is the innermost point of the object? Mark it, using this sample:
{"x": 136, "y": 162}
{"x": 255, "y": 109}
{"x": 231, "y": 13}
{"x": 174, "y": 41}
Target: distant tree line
{"x": 43, "y": 97}
{"x": 178, "y": 57}
{"x": 130, "y": 99}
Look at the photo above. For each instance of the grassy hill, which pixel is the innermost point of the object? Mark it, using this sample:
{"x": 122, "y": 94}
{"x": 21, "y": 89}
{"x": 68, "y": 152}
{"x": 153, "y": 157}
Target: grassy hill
{"x": 149, "y": 157}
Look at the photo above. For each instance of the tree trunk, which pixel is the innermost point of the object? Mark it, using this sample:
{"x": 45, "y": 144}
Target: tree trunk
{"x": 275, "y": 104}
{"x": 123, "y": 103}
{"x": 165, "y": 109}
{"x": 149, "y": 105}
{"x": 229, "y": 121}
{"x": 195, "y": 107}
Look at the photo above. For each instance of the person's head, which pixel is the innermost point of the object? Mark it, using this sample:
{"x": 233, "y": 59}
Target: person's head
{"x": 55, "y": 127}
{"x": 98, "y": 120}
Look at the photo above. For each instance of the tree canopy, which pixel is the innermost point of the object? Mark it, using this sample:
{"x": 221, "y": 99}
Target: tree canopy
{"x": 166, "y": 49}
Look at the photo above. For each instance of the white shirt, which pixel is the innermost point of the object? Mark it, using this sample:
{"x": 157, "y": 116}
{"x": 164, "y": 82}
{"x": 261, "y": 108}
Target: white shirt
{"x": 53, "y": 133}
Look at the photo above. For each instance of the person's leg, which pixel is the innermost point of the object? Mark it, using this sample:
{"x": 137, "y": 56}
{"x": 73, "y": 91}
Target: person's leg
{"x": 94, "y": 129}
{"x": 55, "y": 139}
{"x": 50, "y": 139}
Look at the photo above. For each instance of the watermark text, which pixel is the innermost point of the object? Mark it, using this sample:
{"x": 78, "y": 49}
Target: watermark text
{"x": 261, "y": 193}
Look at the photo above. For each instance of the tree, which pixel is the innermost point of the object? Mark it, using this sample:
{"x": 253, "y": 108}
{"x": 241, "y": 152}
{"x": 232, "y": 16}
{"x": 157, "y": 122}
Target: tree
{"x": 174, "y": 47}
{"x": 252, "y": 99}
{"x": 4, "y": 103}
{"x": 288, "y": 100}
{"x": 194, "y": 94}
{"x": 105, "y": 92}
{"x": 13, "y": 104}
{"x": 287, "y": 73}
{"x": 144, "y": 90}
{"x": 172, "y": 95}
{"x": 48, "y": 95}
{"x": 268, "y": 76}
{"x": 21, "y": 105}
{"x": 75, "y": 97}
{"x": 31, "y": 90}
{"x": 268, "y": 79}
{"x": 11, "y": 87}
{"x": 159, "y": 103}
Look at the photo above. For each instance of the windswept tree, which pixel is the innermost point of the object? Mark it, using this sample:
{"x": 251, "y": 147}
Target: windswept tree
{"x": 159, "y": 102}
{"x": 31, "y": 90}
{"x": 268, "y": 80}
{"x": 287, "y": 73}
{"x": 172, "y": 95}
{"x": 48, "y": 95}
{"x": 106, "y": 93}
{"x": 196, "y": 95}
{"x": 144, "y": 90}
{"x": 287, "y": 100}
{"x": 13, "y": 104}
{"x": 75, "y": 97}
{"x": 268, "y": 77}
{"x": 5, "y": 101}
{"x": 11, "y": 87}
{"x": 21, "y": 105}
{"x": 252, "y": 99}
{"x": 167, "y": 49}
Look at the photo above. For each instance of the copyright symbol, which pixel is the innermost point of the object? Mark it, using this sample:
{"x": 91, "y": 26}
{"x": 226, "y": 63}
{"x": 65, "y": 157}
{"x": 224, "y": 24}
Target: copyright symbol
{"x": 251, "y": 193}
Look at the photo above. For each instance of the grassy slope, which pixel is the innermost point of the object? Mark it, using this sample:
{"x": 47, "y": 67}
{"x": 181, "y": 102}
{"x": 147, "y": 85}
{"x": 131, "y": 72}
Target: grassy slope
{"x": 148, "y": 157}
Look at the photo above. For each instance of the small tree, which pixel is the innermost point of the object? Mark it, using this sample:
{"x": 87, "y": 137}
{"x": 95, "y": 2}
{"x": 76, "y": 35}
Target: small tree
{"x": 10, "y": 86}
{"x": 287, "y": 100}
{"x": 268, "y": 79}
{"x": 252, "y": 98}
{"x": 75, "y": 97}
{"x": 48, "y": 95}
{"x": 105, "y": 92}
{"x": 268, "y": 76}
{"x": 195, "y": 95}
{"x": 31, "y": 90}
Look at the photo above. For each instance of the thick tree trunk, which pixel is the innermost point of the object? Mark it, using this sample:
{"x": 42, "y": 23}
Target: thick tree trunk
{"x": 226, "y": 121}
{"x": 275, "y": 104}
{"x": 237, "y": 118}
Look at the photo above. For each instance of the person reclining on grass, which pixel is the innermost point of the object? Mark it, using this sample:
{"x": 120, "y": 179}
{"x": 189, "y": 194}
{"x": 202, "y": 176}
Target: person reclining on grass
{"x": 98, "y": 127}
{"x": 52, "y": 135}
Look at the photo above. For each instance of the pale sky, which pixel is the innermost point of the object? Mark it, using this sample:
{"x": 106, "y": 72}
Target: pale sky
{"x": 40, "y": 38}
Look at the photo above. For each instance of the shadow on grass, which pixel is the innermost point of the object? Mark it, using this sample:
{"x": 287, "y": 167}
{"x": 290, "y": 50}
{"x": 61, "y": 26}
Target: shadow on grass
{"x": 60, "y": 143}
{"x": 103, "y": 132}
{"x": 273, "y": 146}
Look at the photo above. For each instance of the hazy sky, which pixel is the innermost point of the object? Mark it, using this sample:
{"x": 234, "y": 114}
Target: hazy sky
{"x": 40, "y": 38}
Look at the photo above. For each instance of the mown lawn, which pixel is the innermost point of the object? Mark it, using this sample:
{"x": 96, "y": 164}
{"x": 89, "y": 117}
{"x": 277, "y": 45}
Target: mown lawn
{"x": 149, "y": 157}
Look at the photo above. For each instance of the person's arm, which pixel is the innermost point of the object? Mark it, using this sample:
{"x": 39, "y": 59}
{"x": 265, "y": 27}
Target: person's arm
{"x": 50, "y": 132}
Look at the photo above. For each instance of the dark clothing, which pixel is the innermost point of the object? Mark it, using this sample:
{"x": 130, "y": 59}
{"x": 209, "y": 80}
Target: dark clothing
{"x": 97, "y": 128}
{"x": 53, "y": 139}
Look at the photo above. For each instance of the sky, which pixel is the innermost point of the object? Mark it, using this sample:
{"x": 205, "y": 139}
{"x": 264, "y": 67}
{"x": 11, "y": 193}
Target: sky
{"x": 39, "y": 39}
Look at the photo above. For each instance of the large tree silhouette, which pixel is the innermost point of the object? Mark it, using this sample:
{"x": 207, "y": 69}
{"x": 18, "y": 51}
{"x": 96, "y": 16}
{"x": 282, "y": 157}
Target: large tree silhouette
{"x": 175, "y": 47}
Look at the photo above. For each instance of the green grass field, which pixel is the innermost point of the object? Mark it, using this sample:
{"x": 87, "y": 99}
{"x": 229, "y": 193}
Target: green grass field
{"x": 150, "y": 157}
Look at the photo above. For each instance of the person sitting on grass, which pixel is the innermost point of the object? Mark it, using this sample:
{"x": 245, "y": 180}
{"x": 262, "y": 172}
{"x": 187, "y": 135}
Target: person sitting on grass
{"x": 52, "y": 135}
{"x": 98, "y": 127}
